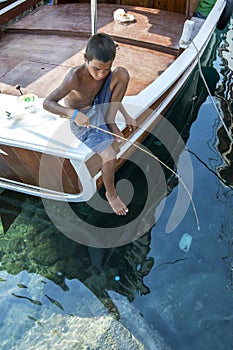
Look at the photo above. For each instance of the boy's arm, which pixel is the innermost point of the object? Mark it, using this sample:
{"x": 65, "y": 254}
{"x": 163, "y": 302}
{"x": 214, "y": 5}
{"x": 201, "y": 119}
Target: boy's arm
{"x": 51, "y": 102}
{"x": 120, "y": 82}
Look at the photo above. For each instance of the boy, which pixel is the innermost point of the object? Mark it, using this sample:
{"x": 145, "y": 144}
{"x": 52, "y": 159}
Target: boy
{"x": 92, "y": 95}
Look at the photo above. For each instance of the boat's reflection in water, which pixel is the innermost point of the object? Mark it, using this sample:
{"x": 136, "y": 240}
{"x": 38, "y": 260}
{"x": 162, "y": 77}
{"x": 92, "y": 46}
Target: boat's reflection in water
{"x": 224, "y": 94}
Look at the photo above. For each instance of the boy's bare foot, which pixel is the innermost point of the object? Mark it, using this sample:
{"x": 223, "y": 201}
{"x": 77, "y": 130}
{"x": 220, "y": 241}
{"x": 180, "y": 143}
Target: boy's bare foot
{"x": 117, "y": 205}
{"x": 120, "y": 137}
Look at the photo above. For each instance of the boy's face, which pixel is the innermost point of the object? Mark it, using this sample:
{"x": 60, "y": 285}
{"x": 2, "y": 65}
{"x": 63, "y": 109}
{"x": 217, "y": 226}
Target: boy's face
{"x": 98, "y": 69}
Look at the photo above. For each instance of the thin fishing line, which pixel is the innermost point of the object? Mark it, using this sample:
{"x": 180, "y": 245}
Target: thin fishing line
{"x": 212, "y": 171}
{"x": 160, "y": 161}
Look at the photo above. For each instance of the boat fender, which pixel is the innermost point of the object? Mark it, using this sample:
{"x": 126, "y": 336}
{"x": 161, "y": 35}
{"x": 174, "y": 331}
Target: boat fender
{"x": 187, "y": 32}
{"x": 226, "y": 15}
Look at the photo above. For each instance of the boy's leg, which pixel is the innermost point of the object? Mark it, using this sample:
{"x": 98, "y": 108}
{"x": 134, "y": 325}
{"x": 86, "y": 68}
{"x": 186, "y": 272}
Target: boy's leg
{"x": 108, "y": 157}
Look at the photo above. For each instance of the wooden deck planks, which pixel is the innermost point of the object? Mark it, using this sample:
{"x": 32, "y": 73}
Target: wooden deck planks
{"x": 37, "y": 51}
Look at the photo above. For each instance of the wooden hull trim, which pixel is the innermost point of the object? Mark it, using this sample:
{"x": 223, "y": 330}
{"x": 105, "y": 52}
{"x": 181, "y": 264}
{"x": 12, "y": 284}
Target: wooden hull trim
{"x": 33, "y": 190}
{"x": 89, "y": 187}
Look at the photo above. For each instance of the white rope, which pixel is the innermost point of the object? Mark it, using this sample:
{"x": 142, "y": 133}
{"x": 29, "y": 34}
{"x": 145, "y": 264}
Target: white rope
{"x": 211, "y": 97}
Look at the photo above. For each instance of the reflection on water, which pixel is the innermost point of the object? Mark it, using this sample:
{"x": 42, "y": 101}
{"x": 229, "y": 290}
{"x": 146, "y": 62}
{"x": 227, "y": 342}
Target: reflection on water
{"x": 224, "y": 94}
{"x": 58, "y": 292}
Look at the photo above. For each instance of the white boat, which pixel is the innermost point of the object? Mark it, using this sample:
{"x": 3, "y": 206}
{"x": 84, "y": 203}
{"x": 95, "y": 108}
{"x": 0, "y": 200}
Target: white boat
{"x": 39, "y": 154}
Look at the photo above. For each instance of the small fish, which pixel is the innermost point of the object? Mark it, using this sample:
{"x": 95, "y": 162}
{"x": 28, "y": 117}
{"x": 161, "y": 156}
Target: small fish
{"x": 55, "y": 332}
{"x": 35, "y": 320}
{"x": 55, "y": 302}
{"x": 36, "y": 302}
{"x": 21, "y": 285}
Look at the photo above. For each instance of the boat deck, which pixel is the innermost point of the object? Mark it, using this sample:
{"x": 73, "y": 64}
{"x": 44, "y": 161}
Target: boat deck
{"x": 38, "y": 49}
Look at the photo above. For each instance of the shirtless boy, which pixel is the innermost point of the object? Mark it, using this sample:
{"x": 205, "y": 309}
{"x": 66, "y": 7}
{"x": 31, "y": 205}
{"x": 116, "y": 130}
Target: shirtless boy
{"x": 86, "y": 89}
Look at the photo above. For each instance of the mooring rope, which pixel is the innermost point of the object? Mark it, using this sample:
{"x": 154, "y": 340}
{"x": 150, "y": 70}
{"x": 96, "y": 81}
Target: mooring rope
{"x": 160, "y": 161}
{"x": 209, "y": 93}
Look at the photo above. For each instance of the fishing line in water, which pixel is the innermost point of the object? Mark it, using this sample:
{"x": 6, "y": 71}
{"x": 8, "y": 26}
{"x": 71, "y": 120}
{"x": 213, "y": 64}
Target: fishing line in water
{"x": 160, "y": 161}
{"x": 212, "y": 171}
{"x": 209, "y": 93}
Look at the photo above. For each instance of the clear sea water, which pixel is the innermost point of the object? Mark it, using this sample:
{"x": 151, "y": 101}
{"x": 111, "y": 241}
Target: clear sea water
{"x": 158, "y": 290}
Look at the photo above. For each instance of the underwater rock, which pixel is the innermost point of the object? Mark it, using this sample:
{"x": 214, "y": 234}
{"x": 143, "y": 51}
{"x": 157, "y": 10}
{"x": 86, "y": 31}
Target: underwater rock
{"x": 76, "y": 319}
{"x": 72, "y": 332}
{"x": 81, "y": 333}
{"x": 132, "y": 319}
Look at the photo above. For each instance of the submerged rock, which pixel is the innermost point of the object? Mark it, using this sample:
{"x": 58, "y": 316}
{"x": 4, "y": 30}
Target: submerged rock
{"x": 75, "y": 320}
{"x": 77, "y": 333}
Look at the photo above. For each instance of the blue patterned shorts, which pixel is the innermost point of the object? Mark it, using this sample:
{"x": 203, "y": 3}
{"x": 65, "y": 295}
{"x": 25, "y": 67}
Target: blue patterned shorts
{"x": 95, "y": 139}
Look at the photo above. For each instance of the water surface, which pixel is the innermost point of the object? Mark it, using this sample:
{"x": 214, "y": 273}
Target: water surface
{"x": 58, "y": 294}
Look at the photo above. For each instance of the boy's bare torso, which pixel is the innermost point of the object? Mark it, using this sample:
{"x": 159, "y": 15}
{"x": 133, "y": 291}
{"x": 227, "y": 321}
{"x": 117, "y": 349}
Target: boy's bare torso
{"x": 85, "y": 89}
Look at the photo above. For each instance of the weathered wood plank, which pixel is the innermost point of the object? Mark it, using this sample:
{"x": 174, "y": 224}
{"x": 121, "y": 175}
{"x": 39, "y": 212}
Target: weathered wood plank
{"x": 27, "y": 166}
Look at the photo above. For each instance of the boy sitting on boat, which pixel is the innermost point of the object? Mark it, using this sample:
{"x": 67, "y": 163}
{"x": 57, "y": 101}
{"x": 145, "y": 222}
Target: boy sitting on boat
{"x": 92, "y": 94}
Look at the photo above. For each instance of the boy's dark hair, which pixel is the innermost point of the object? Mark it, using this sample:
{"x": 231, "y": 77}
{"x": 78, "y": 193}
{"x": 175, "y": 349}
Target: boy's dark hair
{"x": 101, "y": 47}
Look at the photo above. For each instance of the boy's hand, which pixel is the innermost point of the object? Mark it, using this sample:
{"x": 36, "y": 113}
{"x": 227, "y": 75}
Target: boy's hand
{"x": 82, "y": 120}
